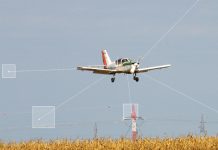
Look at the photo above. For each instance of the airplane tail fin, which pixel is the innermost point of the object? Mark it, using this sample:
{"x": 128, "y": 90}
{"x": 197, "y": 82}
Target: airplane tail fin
{"x": 106, "y": 59}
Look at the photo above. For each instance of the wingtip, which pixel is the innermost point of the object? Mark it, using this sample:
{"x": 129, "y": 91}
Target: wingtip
{"x": 79, "y": 68}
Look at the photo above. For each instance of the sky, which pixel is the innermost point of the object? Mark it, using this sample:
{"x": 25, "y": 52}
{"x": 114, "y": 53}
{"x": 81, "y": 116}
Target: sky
{"x": 52, "y": 34}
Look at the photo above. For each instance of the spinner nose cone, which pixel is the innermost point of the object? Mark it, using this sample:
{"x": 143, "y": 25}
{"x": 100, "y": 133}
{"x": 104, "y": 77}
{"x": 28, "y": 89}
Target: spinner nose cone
{"x": 137, "y": 65}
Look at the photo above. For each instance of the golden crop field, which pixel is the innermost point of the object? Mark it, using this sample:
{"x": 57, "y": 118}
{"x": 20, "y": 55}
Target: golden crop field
{"x": 182, "y": 143}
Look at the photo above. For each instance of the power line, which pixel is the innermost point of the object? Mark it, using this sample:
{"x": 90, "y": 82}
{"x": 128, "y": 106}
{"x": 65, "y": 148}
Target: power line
{"x": 43, "y": 70}
{"x": 129, "y": 90}
{"x": 73, "y": 97}
{"x": 183, "y": 94}
{"x": 170, "y": 29}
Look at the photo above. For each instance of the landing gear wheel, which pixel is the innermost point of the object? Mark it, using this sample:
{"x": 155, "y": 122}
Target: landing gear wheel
{"x": 136, "y": 78}
{"x": 112, "y": 80}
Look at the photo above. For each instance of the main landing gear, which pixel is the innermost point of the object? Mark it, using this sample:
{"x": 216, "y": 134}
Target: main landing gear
{"x": 136, "y": 78}
{"x": 113, "y": 79}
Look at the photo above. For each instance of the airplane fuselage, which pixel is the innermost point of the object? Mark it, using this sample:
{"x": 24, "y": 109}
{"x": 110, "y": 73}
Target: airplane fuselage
{"x": 124, "y": 65}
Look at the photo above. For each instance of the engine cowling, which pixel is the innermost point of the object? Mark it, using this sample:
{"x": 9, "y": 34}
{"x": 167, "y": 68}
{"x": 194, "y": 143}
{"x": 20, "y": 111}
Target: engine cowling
{"x": 134, "y": 67}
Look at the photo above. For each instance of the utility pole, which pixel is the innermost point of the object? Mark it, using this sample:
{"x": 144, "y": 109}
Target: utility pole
{"x": 95, "y": 131}
{"x": 130, "y": 112}
{"x": 134, "y": 125}
{"x": 202, "y": 127}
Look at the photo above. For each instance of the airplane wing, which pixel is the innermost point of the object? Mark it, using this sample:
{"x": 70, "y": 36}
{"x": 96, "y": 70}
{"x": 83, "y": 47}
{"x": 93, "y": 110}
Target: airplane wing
{"x": 97, "y": 70}
{"x": 151, "y": 68}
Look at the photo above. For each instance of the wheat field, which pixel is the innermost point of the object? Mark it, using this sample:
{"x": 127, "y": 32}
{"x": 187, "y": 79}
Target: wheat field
{"x": 181, "y": 143}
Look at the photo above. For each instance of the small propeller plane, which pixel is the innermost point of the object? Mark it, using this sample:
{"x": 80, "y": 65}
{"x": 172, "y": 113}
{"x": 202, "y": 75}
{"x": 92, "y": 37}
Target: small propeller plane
{"x": 122, "y": 65}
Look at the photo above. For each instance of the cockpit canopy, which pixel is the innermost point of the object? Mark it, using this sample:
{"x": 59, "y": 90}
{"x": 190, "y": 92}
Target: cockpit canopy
{"x": 122, "y": 61}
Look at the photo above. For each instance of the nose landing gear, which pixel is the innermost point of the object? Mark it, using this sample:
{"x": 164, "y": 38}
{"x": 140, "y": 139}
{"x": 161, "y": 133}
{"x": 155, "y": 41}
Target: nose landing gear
{"x": 136, "y": 78}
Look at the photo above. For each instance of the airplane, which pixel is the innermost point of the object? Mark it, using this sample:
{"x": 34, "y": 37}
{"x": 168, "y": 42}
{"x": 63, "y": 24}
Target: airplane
{"x": 120, "y": 66}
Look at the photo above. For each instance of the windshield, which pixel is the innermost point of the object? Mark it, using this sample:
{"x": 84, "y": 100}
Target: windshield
{"x": 125, "y": 60}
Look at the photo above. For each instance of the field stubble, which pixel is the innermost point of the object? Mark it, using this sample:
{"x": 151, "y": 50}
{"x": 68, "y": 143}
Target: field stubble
{"x": 180, "y": 143}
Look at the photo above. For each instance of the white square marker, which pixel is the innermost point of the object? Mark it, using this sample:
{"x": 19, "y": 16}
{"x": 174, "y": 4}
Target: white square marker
{"x": 9, "y": 71}
{"x": 128, "y": 110}
{"x": 43, "y": 116}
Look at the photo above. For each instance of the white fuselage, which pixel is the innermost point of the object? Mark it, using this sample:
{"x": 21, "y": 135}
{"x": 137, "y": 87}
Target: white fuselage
{"x": 128, "y": 66}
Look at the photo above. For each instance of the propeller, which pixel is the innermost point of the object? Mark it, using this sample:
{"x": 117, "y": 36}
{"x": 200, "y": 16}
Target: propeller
{"x": 137, "y": 63}
{"x": 140, "y": 60}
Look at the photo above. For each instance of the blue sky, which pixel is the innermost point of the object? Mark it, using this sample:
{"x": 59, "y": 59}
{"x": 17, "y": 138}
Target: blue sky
{"x": 62, "y": 34}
